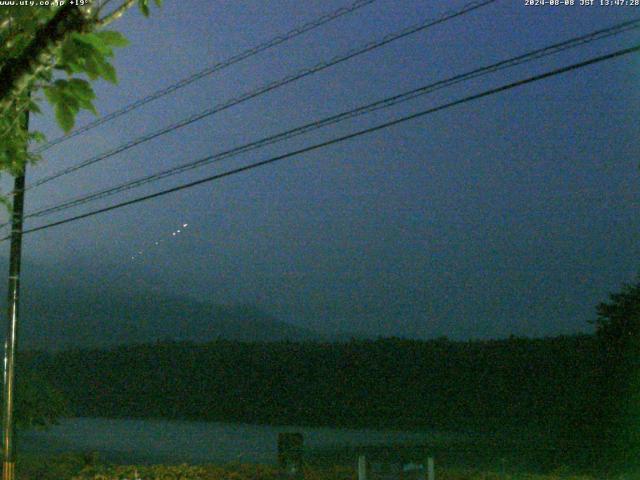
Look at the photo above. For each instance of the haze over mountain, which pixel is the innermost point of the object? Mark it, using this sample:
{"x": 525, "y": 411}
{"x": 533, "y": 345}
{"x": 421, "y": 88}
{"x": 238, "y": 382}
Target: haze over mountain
{"x": 85, "y": 301}
{"x": 60, "y": 312}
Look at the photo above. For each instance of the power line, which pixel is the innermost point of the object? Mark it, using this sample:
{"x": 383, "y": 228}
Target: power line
{"x": 385, "y": 103}
{"x": 359, "y": 133}
{"x": 216, "y": 67}
{"x": 202, "y": 73}
{"x": 267, "y": 88}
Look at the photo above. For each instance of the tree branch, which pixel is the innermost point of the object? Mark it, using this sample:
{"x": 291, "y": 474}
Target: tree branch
{"x": 17, "y": 73}
{"x": 115, "y": 14}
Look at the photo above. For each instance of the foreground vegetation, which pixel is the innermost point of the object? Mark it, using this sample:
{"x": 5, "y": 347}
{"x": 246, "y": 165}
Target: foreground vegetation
{"x": 76, "y": 467}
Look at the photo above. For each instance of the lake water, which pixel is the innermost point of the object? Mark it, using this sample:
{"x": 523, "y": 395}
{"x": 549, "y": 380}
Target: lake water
{"x": 147, "y": 441}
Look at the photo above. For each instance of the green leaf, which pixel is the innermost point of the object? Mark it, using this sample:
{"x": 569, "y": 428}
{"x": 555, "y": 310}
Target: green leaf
{"x": 75, "y": 57}
{"x": 81, "y": 89}
{"x": 7, "y": 201}
{"x": 158, "y": 3}
{"x": 37, "y": 137}
{"x": 108, "y": 72}
{"x": 144, "y": 7}
{"x": 52, "y": 94}
{"x": 95, "y": 42}
{"x": 68, "y": 97}
{"x": 34, "y": 107}
{"x": 112, "y": 38}
{"x": 91, "y": 68}
{"x": 46, "y": 75}
{"x": 33, "y": 158}
{"x": 65, "y": 117}
{"x": 87, "y": 105}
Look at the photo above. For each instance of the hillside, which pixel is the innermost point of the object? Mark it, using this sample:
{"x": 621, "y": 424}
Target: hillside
{"x": 58, "y": 316}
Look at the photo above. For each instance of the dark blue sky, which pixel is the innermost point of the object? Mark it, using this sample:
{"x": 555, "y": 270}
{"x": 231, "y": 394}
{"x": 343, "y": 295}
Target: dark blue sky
{"x": 516, "y": 213}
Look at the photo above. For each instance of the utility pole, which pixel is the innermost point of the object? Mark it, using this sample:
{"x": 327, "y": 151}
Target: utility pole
{"x": 8, "y": 391}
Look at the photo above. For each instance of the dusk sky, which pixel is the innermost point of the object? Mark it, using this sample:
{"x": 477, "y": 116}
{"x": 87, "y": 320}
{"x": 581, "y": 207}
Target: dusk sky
{"x": 512, "y": 214}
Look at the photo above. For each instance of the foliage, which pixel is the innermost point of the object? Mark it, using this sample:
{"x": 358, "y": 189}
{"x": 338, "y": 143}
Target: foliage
{"x": 73, "y": 467}
{"x": 618, "y": 402}
{"x": 479, "y": 475}
{"x": 56, "y": 50}
{"x": 141, "y": 472}
{"x": 87, "y": 53}
{"x": 207, "y": 472}
{"x": 58, "y": 467}
{"x": 38, "y": 404}
{"x": 618, "y": 322}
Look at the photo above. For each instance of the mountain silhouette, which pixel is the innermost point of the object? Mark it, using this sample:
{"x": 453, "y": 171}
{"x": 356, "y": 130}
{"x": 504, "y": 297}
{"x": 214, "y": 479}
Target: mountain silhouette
{"x": 59, "y": 312}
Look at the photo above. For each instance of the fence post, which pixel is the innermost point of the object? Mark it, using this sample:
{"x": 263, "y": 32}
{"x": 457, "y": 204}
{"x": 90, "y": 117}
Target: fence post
{"x": 431, "y": 474}
{"x": 362, "y": 467}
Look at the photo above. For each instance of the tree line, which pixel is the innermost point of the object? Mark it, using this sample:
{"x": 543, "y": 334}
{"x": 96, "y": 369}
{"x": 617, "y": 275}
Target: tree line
{"x": 387, "y": 382}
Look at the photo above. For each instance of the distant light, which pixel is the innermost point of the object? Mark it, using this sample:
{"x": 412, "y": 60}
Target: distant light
{"x": 185, "y": 225}
{"x": 174, "y": 234}
{"x": 178, "y": 230}
{"x": 157, "y": 243}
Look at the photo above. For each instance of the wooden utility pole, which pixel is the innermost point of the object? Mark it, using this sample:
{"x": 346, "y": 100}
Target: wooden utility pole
{"x": 10, "y": 346}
